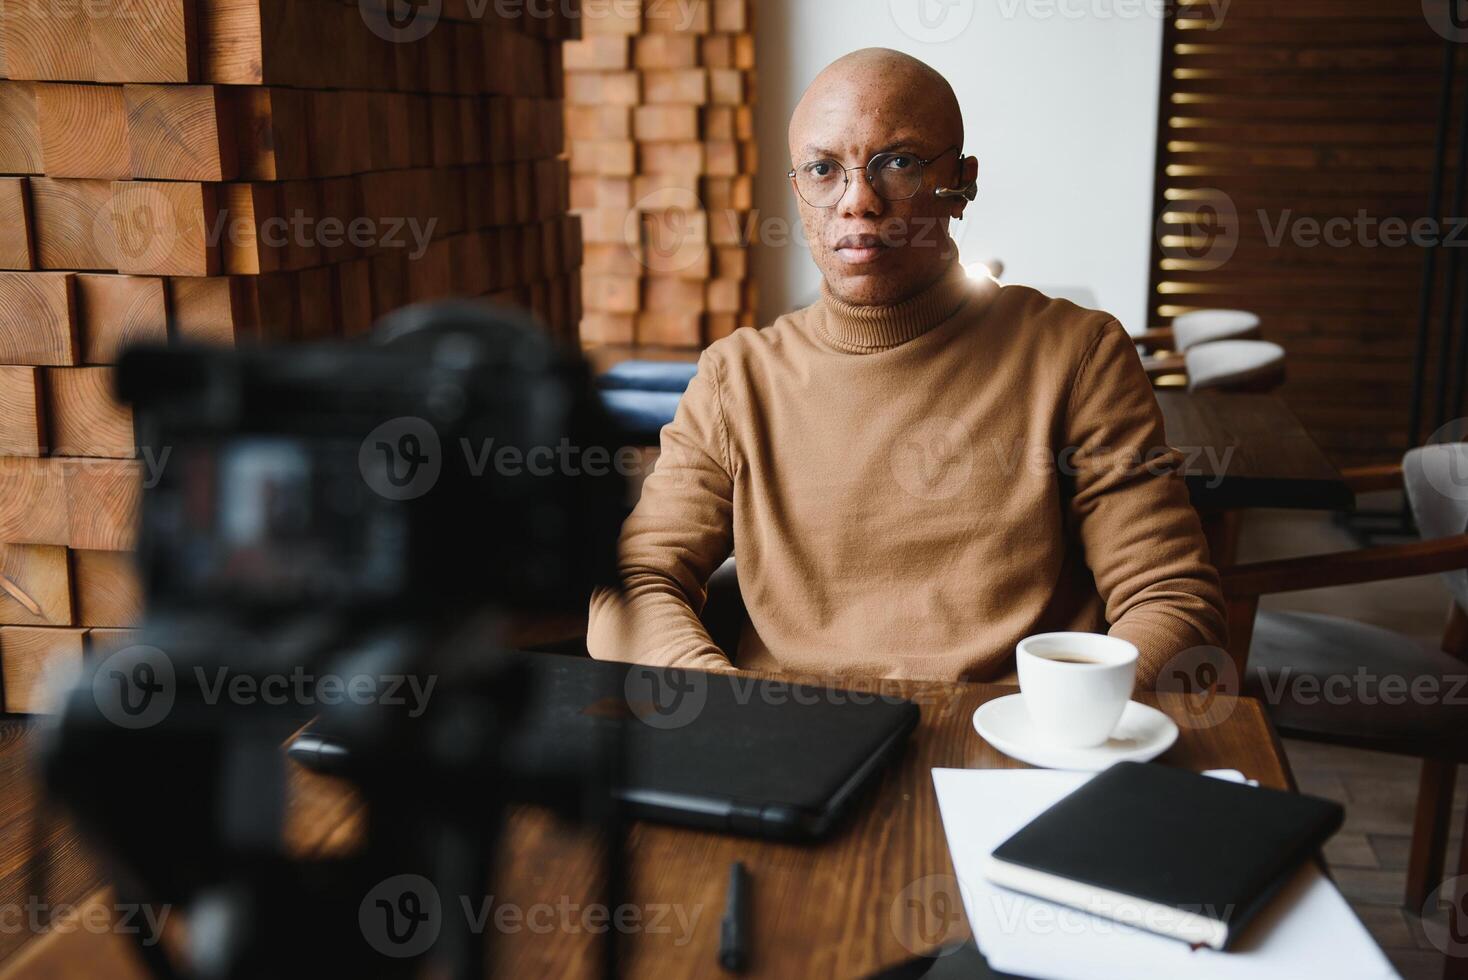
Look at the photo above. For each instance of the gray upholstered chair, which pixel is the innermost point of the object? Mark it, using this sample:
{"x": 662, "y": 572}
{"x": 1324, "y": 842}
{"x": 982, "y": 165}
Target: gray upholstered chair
{"x": 1314, "y": 671}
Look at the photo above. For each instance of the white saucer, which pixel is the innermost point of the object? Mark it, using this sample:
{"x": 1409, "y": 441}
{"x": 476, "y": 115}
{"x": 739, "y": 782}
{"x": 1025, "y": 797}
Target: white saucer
{"x": 1143, "y": 734}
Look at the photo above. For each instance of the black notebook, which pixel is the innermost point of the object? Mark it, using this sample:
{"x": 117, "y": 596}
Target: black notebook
{"x": 1170, "y": 851}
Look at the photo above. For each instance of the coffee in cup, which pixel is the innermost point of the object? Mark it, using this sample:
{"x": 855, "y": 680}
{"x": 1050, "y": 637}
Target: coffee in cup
{"x": 1076, "y": 685}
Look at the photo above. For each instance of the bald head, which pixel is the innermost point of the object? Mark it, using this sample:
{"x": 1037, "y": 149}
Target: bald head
{"x": 879, "y": 245}
{"x": 876, "y": 82}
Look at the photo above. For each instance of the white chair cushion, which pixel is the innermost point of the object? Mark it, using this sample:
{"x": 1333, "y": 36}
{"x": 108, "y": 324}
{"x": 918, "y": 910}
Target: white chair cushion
{"x": 1232, "y": 362}
{"x": 1206, "y": 326}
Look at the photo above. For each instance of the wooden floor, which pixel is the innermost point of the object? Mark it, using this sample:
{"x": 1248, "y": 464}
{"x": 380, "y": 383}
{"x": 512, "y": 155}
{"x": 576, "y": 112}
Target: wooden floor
{"x": 1369, "y": 856}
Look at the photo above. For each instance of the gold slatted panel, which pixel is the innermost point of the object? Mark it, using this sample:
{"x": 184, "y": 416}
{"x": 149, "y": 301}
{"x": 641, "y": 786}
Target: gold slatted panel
{"x": 1276, "y": 118}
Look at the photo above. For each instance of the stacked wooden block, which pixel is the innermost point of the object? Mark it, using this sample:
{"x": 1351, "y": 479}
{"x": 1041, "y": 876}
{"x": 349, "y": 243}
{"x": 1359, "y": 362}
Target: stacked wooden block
{"x": 660, "y": 119}
{"x": 236, "y": 171}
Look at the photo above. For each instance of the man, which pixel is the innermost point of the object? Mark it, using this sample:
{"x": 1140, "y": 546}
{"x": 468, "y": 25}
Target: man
{"x": 920, "y": 469}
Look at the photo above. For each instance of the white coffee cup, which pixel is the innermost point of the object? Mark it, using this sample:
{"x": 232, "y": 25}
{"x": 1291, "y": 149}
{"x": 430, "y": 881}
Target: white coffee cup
{"x": 1076, "y": 685}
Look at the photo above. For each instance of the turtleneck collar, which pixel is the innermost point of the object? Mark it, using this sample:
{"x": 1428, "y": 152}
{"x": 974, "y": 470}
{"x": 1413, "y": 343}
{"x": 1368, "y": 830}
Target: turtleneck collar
{"x": 868, "y": 329}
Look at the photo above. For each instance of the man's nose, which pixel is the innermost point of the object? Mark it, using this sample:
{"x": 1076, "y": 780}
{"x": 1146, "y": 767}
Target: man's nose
{"x": 861, "y": 199}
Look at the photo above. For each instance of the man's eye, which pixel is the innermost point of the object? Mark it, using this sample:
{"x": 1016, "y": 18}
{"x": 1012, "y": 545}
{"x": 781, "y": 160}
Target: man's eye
{"x": 821, "y": 168}
{"x": 900, "y": 161}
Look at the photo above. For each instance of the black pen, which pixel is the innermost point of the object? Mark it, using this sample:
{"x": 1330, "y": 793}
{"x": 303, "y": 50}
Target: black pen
{"x": 734, "y": 930}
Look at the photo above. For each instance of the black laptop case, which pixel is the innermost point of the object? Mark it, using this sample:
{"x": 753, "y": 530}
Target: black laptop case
{"x": 722, "y": 751}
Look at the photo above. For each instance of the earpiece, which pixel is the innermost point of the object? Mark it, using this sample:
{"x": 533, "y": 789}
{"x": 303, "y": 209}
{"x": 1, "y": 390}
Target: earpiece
{"x": 969, "y": 191}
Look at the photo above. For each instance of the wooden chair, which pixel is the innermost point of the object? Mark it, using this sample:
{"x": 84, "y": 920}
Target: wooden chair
{"x": 1274, "y": 650}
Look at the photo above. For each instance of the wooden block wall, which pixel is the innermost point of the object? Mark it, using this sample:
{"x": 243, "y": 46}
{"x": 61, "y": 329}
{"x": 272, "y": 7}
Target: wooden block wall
{"x": 239, "y": 171}
{"x": 659, "y": 113}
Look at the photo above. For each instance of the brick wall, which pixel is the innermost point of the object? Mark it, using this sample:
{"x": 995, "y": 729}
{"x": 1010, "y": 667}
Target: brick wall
{"x": 661, "y": 126}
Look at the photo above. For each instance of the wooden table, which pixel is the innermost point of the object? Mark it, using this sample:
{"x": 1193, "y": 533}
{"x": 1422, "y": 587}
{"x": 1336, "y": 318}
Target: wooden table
{"x": 1247, "y": 450}
{"x": 866, "y": 899}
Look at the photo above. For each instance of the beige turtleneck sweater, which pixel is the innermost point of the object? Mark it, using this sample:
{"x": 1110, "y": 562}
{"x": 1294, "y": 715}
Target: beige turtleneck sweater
{"x": 909, "y": 490}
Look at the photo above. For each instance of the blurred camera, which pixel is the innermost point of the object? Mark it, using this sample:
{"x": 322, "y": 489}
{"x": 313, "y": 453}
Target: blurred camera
{"x": 341, "y": 509}
{"x": 361, "y": 479}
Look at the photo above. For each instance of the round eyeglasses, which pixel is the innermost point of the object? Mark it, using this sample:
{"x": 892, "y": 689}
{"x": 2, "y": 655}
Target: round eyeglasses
{"x": 893, "y": 176}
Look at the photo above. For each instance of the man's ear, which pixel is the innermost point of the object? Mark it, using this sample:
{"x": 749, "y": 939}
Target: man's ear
{"x": 968, "y": 173}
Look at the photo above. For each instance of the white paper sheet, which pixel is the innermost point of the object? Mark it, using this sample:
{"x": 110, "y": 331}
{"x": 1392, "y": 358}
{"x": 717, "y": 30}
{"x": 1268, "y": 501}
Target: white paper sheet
{"x": 1308, "y": 930}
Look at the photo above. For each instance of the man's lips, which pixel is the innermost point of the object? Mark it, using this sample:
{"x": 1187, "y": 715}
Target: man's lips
{"x": 861, "y": 249}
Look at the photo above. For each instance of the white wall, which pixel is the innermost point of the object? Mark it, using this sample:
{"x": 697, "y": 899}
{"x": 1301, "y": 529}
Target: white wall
{"x": 1059, "y": 100}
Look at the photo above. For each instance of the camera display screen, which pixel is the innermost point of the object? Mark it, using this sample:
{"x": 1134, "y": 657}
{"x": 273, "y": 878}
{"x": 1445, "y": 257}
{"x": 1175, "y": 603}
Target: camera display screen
{"x": 277, "y": 521}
